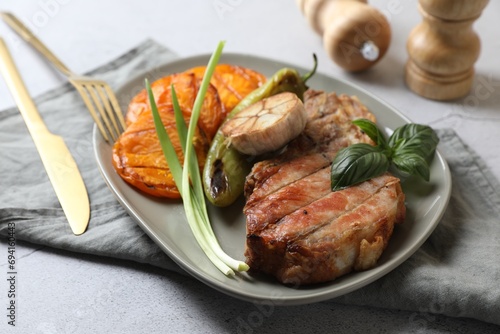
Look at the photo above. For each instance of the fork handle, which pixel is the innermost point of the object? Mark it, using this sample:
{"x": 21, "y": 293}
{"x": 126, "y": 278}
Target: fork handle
{"x": 29, "y": 37}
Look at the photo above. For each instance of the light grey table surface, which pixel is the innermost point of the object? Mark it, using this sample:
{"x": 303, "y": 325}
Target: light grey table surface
{"x": 62, "y": 292}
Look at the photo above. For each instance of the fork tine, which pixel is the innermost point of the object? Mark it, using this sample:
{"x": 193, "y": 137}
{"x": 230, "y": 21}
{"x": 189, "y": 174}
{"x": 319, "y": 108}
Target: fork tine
{"x": 90, "y": 89}
{"x": 91, "y": 109}
{"x": 107, "y": 107}
{"x": 116, "y": 106}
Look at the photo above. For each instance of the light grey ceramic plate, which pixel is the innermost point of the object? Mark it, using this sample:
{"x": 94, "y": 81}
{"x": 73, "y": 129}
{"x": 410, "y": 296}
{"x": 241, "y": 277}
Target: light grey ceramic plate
{"x": 165, "y": 223}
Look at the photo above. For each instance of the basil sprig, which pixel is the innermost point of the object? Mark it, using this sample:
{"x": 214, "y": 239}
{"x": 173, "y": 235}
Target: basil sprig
{"x": 410, "y": 149}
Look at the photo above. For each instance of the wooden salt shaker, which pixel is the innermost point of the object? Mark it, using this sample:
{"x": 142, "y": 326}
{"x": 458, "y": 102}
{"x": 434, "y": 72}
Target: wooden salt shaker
{"x": 443, "y": 49}
{"x": 355, "y": 35}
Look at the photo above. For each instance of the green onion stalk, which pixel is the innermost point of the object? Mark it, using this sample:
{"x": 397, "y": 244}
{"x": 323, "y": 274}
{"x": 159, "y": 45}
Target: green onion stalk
{"x": 187, "y": 176}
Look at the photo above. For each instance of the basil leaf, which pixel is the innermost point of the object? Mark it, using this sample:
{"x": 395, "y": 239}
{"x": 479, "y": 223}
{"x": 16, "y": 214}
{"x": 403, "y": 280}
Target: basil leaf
{"x": 357, "y": 163}
{"x": 371, "y": 131}
{"x": 410, "y": 149}
{"x": 413, "y": 164}
{"x": 414, "y": 139}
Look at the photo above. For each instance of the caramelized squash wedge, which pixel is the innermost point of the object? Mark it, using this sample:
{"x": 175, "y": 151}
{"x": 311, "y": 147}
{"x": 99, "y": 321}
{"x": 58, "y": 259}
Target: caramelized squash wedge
{"x": 137, "y": 155}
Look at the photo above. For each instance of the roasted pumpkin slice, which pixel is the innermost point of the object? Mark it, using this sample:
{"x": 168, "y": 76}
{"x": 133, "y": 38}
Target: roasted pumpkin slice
{"x": 233, "y": 83}
{"x": 137, "y": 155}
{"x": 185, "y": 87}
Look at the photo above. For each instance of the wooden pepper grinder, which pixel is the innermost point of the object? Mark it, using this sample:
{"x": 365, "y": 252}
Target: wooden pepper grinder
{"x": 443, "y": 49}
{"x": 355, "y": 35}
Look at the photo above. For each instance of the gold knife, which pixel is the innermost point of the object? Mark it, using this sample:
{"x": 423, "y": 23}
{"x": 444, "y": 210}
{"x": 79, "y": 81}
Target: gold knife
{"x": 56, "y": 157}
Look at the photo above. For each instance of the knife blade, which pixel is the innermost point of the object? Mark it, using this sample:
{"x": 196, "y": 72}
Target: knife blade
{"x": 59, "y": 164}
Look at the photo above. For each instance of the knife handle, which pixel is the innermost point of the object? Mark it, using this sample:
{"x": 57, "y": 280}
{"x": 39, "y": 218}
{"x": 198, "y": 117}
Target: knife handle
{"x": 29, "y": 37}
{"x": 13, "y": 79}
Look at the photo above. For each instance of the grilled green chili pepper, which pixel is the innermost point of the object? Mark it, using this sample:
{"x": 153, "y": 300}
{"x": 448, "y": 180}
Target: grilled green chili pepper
{"x": 226, "y": 168}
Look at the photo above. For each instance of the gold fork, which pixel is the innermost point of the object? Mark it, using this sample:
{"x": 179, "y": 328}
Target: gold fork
{"x": 96, "y": 94}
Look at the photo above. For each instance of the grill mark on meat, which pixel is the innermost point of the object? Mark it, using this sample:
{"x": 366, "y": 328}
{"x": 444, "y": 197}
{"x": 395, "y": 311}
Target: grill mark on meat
{"x": 277, "y": 205}
{"x": 326, "y": 224}
{"x": 307, "y": 254}
{"x": 300, "y": 231}
{"x": 320, "y": 249}
{"x": 344, "y": 203}
{"x": 276, "y": 177}
{"x": 289, "y": 236}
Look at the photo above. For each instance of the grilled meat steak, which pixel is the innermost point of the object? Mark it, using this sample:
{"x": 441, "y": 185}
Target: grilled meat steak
{"x": 298, "y": 230}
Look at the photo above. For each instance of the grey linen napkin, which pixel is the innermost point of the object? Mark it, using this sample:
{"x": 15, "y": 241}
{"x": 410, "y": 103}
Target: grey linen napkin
{"x": 456, "y": 272}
